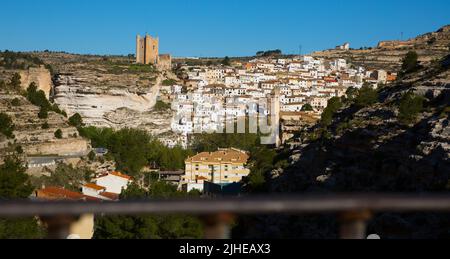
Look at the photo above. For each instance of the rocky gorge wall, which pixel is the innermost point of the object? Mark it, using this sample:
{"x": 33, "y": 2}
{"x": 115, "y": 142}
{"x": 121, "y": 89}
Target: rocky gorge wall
{"x": 115, "y": 108}
{"x": 388, "y": 55}
{"x": 74, "y": 95}
{"x": 36, "y": 140}
{"x": 39, "y": 75}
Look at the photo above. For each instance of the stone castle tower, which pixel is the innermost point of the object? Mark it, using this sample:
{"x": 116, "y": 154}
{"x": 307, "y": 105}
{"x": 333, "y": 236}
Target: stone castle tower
{"x": 147, "y": 50}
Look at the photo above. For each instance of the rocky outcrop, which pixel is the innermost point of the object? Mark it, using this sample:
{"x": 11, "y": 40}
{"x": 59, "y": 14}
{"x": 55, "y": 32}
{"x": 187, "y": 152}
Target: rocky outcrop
{"x": 388, "y": 55}
{"x": 30, "y": 135}
{"x": 155, "y": 122}
{"x": 39, "y": 75}
{"x": 110, "y": 91}
{"x": 77, "y": 94}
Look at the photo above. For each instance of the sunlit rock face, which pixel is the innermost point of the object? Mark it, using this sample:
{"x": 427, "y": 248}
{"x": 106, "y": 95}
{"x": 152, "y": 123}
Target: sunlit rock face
{"x": 33, "y": 138}
{"x": 74, "y": 94}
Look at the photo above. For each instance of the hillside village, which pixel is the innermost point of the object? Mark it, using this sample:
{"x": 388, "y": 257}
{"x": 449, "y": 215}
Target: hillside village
{"x": 213, "y": 95}
{"x": 82, "y": 119}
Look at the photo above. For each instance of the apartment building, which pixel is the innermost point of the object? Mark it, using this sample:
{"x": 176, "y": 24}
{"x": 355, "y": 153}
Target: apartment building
{"x": 222, "y": 166}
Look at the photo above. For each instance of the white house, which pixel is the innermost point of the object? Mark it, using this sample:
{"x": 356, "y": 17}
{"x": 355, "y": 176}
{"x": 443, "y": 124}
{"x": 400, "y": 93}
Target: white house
{"x": 114, "y": 182}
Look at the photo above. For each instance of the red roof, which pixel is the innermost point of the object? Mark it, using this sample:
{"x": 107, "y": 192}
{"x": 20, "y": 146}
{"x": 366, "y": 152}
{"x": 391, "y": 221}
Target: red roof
{"x": 59, "y": 193}
{"x": 94, "y": 186}
{"x": 119, "y": 174}
{"x": 110, "y": 195}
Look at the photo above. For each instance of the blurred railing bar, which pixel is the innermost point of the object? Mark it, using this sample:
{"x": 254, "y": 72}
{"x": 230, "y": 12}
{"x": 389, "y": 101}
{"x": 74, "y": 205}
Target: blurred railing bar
{"x": 244, "y": 205}
{"x": 354, "y": 210}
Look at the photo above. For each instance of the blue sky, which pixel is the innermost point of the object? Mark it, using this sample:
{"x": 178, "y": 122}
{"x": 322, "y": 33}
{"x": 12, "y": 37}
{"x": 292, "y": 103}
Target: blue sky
{"x": 213, "y": 27}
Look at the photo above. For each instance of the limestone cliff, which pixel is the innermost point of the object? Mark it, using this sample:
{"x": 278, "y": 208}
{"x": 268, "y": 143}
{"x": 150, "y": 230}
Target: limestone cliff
{"x": 39, "y": 75}
{"x": 35, "y": 139}
{"x": 109, "y": 92}
{"x": 388, "y": 55}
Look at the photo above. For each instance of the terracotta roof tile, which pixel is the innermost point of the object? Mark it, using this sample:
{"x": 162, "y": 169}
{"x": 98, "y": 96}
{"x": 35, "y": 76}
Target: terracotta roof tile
{"x": 119, "y": 174}
{"x": 59, "y": 193}
{"x": 94, "y": 186}
{"x": 222, "y": 156}
{"x": 110, "y": 195}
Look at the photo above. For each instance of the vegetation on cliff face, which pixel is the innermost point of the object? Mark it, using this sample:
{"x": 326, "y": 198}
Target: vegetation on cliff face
{"x": 18, "y": 60}
{"x": 6, "y": 125}
{"x": 410, "y": 62}
{"x": 410, "y": 106}
{"x": 38, "y": 98}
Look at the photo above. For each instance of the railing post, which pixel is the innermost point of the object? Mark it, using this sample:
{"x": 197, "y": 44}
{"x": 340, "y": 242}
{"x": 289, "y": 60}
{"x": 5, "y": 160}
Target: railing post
{"x": 58, "y": 227}
{"x": 354, "y": 224}
{"x": 217, "y": 226}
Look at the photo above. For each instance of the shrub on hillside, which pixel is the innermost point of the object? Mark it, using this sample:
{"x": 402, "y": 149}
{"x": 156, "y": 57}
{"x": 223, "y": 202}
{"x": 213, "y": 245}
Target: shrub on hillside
{"x": 410, "y": 62}
{"x": 307, "y": 108}
{"x": 43, "y": 113}
{"x": 6, "y": 125}
{"x": 366, "y": 96}
{"x": 58, "y": 134}
{"x": 45, "y": 125}
{"x": 334, "y": 104}
{"x": 410, "y": 106}
{"x": 15, "y": 102}
{"x": 76, "y": 120}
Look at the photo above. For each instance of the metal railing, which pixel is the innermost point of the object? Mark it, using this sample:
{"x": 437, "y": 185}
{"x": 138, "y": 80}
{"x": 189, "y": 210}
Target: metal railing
{"x": 354, "y": 210}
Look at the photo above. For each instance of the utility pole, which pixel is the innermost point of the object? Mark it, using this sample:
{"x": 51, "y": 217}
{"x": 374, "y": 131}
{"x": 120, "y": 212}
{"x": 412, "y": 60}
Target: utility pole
{"x": 300, "y": 50}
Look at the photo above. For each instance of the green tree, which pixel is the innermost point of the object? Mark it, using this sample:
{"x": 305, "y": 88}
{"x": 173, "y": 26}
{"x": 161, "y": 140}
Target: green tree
{"x": 366, "y": 96}
{"x": 169, "y": 82}
{"x": 6, "y": 125}
{"x": 226, "y": 61}
{"x": 131, "y": 149}
{"x": 15, "y": 82}
{"x": 410, "y": 106}
{"x": 43, "y": 113}
{"x": 76, "y": 120}
{"x": 45, "y": 125}
{"x": 351, "y": 93}
{"x": 14, "y": 184}
{"x": 99, "y": 137}
{"x": 91, "y": 156}
{"x": 161, "y": 106}
{"x": 15, "y": 102}
{"x": 334, "y": 104}
{"x": 307, "y": 108}
{"x": 37, "y": 98}
{"x": 410, "y": 62}
{"x": 148, "y": 227}
{"x": 58, "y": 134}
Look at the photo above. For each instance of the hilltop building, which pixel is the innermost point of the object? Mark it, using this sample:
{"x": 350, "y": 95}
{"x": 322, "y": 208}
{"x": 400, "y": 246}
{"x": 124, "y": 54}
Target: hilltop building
{"x": 147, "y": 52}
{"x": 345, "y": 46}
